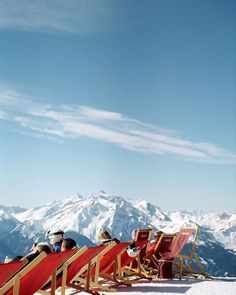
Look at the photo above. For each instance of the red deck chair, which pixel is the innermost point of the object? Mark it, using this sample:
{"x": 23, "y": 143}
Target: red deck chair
{"x": 178, "y": 243}
{"x": 7, "y": 270}
{"x": 116, "y": 262}
{"x": 153, "y": 244}
{"x": 160, "y": 246}
{"x": 133, "y": 266}
{"x": 168, "y": 249}
{"x": 108, "y": 261}
{"x": 105, "y": 273}
{"x": 76, "y": 271}
{"x": 107, "y": 268}
{"x": 34, "y": 275}
{"x": 120, "y": 252}
{"x": 183, "y": 263}
{"x": 142, "y": 234}
{"x": 156, "y": 262}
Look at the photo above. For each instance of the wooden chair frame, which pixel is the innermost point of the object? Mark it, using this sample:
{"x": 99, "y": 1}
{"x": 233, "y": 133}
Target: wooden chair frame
{"x": 183, "y": 262}
{"x": 29, "y": 276}
{"x": 142, "y": 234}
{"x": 76, "y": 271}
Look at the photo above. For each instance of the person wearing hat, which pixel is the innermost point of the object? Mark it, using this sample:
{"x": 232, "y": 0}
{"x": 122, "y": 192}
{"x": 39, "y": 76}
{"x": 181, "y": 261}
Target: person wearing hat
{"x": 56, "y": 238}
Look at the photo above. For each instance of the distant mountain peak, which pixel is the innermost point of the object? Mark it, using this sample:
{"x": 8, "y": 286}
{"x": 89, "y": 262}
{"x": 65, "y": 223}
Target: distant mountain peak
{"x": 12, "y": 209}
{"x": 103, "y": 193}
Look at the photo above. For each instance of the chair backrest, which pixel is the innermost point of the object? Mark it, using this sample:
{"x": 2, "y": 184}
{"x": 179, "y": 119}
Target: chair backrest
{"x": 108, "y": 261}
{"x": 185, "y": 260}
{"x": 143, "y": 234}
{"x": 7, "y": 270}
{"x": 117, "y": 258}
{"x": 34, "y": 275}
{"x": 79, "y": 261}
{"x": 86, "y": 265}
{"x": 126, "y": 259}
{"x": 163, "y": 244}
{"x": 178, "y": 243}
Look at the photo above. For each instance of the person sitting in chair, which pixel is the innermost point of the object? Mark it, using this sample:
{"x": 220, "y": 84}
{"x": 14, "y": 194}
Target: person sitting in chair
{"x": 55, "y": 238}
{"x": 39, "y": 248}
{"x": 68, "y": 244}
{"x": 104, "y": 238}
{"x": 35, "y": 251}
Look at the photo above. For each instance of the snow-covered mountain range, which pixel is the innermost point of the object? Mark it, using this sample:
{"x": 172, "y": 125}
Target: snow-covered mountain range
{"x": 82, "y": 218}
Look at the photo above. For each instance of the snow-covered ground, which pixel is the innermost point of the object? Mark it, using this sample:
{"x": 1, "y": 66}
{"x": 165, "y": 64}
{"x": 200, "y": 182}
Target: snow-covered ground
{"x": 176, "y": 287}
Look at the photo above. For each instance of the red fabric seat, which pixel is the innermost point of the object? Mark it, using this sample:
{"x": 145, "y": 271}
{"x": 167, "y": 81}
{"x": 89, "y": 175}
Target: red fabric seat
{"x": 33, "y": 276}
{"x": 166, "y": 250}
{"x": 7, "y": 270}
{"x": 82, "y": 260}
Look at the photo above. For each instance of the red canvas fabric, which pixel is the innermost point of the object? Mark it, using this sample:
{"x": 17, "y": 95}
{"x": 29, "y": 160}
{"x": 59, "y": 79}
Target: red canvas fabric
{"x": 178, "y": 243}
{"x": 107, "y": 263}
{"x": 9, "y": 269}
{"x": 160, "y": 248}
{"x": 80, "y": 262}
{"x": 38, "y": 275}
{"x": 164, "y": 246}
{"x": 143, "y": 235}
{"x": 168, "y": 249}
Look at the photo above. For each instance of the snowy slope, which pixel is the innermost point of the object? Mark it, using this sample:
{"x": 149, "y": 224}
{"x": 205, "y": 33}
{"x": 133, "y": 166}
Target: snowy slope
{"x": 83, "y": 217}
{"x": 175, "y": 287}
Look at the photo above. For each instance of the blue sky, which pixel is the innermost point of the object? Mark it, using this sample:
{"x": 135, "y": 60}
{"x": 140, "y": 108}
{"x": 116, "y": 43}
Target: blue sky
{"x": 136, "y": 98}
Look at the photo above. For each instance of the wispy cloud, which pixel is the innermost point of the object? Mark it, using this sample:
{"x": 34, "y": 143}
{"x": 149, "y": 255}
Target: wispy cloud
{"x": 67, "y": 121}
{"x": 72, "y": 16}
{"x": 3, "y": 115}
